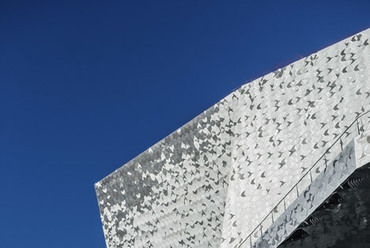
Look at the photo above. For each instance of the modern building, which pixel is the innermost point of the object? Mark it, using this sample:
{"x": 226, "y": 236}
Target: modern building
{"x": 282, "y": 161}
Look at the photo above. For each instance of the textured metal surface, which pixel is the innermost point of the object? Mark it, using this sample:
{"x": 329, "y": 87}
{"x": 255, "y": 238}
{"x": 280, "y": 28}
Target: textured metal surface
{"x": 174, "y": 193}
{"x": 312, "y": 173}
{"x": 331, "y": 177}
{"x": 342, "y": 221}
{"x": 362, "y": 146}
{"x": 212, "y": 181}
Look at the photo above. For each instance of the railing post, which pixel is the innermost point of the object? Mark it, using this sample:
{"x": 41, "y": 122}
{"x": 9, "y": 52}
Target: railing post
{"x": 250, "y": 240}
{"x": 341, "y": 144}
{"x": 272, "y": 217}
{"x": 297, "y": 190}
{"x": 284, "y": 205}
{"x": 358, "y": 127}
{"x": 311, "y": 175}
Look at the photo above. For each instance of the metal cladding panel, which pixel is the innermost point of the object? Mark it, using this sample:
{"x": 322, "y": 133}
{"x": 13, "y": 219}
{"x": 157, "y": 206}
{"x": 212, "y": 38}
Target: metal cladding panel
{"x": 210, "y": 183}
{"x": 362, "y": 146}
{"x": 174, "y": 193}
{"x": 330, "y": 178}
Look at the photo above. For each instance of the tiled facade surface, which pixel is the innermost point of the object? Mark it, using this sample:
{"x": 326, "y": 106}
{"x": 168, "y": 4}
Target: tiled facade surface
{"x": 362, "y": 147}
{"x": 210, "y": 183}
{"x": 331, "y": 176}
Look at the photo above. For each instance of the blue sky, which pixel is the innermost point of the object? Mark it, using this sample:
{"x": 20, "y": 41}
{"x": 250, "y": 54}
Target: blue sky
{"x": 85, "y": 86}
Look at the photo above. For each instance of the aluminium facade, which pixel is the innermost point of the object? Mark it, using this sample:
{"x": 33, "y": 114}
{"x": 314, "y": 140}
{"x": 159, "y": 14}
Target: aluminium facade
{"x": 222, "y": 179}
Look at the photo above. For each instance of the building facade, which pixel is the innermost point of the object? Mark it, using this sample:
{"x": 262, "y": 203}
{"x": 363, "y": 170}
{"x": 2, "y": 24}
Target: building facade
{"x": 225, "y": 178}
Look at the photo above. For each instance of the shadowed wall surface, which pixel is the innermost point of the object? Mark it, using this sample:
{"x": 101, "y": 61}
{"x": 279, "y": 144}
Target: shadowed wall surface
{"x": 342, "y": 221}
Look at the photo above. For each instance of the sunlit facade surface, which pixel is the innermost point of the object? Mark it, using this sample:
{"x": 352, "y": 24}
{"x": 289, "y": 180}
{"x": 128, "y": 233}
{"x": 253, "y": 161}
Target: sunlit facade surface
{"x": 251, "y": 169}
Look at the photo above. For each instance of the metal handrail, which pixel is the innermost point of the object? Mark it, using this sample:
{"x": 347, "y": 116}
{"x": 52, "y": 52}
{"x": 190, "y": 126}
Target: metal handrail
{"x": 300, "y": 180}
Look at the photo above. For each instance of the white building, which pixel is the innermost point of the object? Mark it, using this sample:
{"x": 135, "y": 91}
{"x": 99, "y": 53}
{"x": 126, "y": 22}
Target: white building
{"x": 225, "y": 178}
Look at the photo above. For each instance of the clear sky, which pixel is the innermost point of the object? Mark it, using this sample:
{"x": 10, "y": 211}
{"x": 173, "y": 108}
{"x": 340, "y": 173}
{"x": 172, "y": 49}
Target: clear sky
{"x": 85, "y": 86}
